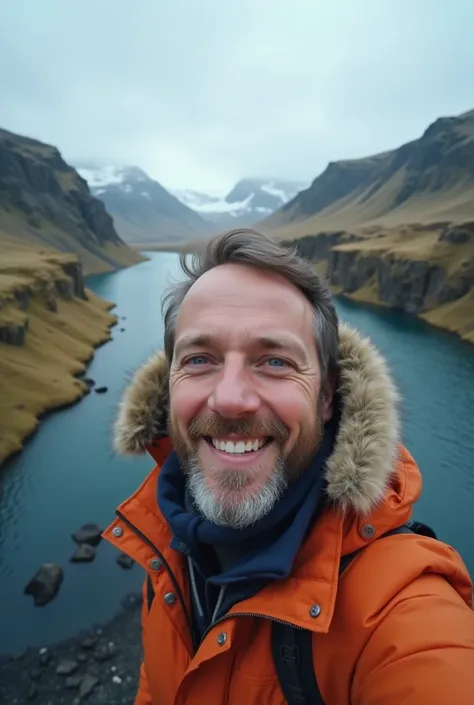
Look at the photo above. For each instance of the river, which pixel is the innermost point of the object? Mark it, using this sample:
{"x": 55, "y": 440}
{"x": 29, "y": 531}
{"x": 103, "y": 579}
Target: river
{"x": 68, "y": 475}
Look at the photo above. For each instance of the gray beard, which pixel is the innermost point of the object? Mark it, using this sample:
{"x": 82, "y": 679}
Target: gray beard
{"x": 243, "y": 511}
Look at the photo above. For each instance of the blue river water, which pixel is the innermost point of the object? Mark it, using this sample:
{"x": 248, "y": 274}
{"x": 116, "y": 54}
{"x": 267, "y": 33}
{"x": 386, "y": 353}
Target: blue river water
{"x": 68, "y": 475}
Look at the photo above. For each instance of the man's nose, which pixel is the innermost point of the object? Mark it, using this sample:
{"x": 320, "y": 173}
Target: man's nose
{"x": 234, "y": 395}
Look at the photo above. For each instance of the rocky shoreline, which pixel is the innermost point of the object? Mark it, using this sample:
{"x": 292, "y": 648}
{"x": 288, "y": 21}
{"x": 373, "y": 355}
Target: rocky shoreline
{"x": 98, "y": 667}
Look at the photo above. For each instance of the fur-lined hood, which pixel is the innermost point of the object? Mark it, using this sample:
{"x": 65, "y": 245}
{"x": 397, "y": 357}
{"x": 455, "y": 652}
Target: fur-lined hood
{"x": 365, "y": 451}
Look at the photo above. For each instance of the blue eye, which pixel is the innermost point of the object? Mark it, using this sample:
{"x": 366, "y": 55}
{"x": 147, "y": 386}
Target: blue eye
{"x": 279, "y": 362}
{"x": 197, "y": 360}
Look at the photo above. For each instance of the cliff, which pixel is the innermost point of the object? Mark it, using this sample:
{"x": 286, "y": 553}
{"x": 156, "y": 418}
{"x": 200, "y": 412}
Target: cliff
{"x": 46, "y": 205}
{"x": 423, "y": 270}
{"x": 49, "y": 326}
{"x": 428, "y": 180}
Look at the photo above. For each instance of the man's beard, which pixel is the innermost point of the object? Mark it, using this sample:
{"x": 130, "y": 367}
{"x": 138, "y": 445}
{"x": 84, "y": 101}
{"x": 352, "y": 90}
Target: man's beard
{"x": 230, "y": 505}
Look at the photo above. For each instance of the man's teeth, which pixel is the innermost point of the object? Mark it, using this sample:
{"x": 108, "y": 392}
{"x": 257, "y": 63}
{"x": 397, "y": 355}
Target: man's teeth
{"x": 239, "y": 447}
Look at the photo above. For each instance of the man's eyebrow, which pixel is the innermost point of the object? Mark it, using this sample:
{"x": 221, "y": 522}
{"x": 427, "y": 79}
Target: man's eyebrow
{"x": 282, "y": 343}
{"x": 192, "y": 341}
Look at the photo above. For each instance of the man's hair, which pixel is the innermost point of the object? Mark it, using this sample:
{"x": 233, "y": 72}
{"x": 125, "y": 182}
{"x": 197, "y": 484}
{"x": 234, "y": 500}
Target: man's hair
{"x": 252, "y": 248}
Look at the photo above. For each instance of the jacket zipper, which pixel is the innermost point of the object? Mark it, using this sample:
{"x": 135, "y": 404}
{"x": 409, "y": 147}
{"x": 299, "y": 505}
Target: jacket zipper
{"x": 168, "y": 569}
{"x": 249, "y": 614}
{"x": 172, "y": 577}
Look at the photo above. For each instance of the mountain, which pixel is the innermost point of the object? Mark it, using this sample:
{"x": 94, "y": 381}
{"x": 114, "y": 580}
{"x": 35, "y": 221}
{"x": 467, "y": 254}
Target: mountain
{"x": 52, "y": 232}
{"x": 397, "y": 228}
{"x": 44, "y": 203}
{"x": 143, "y": 211}
{"x": 247, "y": 202}
{"x": 430, "y": 179}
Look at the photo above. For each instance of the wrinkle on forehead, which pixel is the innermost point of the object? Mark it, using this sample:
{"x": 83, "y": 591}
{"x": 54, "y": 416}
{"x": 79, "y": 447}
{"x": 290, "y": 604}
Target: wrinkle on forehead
{"x": 233, "y": 290}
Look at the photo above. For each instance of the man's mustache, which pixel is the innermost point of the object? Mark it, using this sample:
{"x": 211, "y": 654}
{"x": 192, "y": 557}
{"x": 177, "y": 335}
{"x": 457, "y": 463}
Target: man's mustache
{"x": 216, "y": 426}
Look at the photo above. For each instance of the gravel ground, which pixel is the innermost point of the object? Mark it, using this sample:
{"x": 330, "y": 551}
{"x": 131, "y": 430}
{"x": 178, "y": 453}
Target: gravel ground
{"x": 98, "y": 667}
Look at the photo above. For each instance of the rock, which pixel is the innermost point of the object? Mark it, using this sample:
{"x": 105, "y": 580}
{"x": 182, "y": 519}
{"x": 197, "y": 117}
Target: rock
{"x": 84, "y": 554}
{"x": 101, "y": 390}
{"x": 88, "y": 684}
{"x": 89, "y": 642}
{"x": 45, "y": 584}
{"x": 35, "y": 674}
{"x": 90, "y": 382}
{"x": 82, "y": 658}
{"x": 455, "y": 235}
{"x": 122, "y": 330}
{"x": 125, "y": 561}
{"x": 89, "y": 533}
{"x": 32, "y": 692}
{"x": 104, "y": 652}
{"x": 44, "y": 657}
{"x": 74, "y": 681}
{"x": 67, "y": 667}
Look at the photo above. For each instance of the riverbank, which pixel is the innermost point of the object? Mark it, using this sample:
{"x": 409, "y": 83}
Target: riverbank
{"x": 50, "y": 326}
{"x": 99, "y": 666}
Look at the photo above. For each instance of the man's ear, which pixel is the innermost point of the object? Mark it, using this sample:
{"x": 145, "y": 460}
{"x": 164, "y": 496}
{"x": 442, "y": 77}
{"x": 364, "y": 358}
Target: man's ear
{"x": 327, "y": 397}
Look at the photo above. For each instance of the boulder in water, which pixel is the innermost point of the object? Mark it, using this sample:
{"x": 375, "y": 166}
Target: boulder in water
{"x": 45, "y": 584}
{"x": 101, "y": 390}
{"x": 89, "y": 533}
{"x": 84, "y": 554}
{"x": 125, "y": 561}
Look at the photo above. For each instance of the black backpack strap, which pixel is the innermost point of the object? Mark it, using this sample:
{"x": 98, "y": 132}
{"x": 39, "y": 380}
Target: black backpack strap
{"x": 292, "y": 648}
{"x": 293, "y": 658}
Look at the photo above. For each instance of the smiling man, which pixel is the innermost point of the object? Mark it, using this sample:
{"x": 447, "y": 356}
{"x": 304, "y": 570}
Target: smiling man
{"x": 273, "y": 526}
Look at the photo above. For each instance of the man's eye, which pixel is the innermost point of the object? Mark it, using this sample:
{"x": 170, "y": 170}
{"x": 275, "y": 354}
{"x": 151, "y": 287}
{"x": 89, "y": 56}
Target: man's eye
{"x": 197, "y": 360}
{"x": 276, "y": 362}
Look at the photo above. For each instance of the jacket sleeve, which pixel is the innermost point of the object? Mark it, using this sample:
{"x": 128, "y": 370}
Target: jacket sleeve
{"x": 421, "y": 652}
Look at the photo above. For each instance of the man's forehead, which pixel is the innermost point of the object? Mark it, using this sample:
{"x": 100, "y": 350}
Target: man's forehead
{"x": 236, "y": 283}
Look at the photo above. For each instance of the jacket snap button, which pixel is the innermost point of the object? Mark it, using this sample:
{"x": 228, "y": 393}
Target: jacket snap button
{"x": 222, "y": 638}
{"x": 170, "y": 598}
{"x": 117, "y": 531}
{"x": 155, "y": 564}
{"x": 315, "y": 610}
{"x": 367, "y": 531}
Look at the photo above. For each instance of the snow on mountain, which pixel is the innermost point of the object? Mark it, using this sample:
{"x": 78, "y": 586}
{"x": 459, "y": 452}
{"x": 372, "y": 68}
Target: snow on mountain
{"x": 250, "y": 200}
{"x": 100, "y": 178}
{"x": 143, "y": 211}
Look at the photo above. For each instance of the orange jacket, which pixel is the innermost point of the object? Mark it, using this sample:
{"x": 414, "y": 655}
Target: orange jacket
{"x": 397, "y": 627}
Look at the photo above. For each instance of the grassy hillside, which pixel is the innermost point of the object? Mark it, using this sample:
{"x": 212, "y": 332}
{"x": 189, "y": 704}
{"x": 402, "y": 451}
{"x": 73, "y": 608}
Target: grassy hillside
{"x": 429, "y": 180}
{"x": 49, "y": 327}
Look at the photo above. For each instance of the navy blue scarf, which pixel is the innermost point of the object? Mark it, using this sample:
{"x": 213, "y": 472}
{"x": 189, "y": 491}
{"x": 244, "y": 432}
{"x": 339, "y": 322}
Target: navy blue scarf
{"x": 268, "y": 547}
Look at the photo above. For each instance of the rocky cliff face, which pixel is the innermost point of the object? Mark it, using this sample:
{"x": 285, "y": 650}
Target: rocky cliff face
{"x": 44, "y": 202}
{"x": 416, "y": 271}
{"x": 52, "y": 279}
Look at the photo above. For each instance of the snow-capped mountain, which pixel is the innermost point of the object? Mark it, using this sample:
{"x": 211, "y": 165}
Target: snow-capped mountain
{"x": 143, "y": 211}
{"x": 248, "y": 202}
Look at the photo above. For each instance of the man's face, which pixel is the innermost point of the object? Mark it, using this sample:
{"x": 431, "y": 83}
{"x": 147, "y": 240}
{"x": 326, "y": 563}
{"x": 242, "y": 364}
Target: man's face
{"x": 246, "y": 404}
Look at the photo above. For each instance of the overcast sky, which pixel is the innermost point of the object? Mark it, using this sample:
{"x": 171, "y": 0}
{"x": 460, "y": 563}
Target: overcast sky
{"x": 200, "y": 93}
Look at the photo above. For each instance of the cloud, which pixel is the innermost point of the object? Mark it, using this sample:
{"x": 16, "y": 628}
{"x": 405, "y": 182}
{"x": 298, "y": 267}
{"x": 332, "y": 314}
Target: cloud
{"x": 200, "y": 93}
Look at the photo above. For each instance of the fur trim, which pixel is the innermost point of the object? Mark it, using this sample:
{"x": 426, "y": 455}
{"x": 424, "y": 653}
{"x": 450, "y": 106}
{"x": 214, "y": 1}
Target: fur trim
{"x": 360, "y": 467}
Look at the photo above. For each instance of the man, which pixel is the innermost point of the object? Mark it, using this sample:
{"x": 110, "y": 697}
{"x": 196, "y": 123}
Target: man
{"x": 275, "y": 436}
